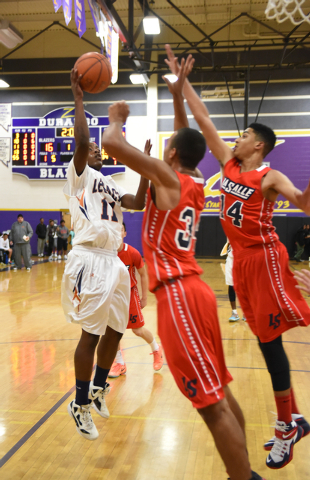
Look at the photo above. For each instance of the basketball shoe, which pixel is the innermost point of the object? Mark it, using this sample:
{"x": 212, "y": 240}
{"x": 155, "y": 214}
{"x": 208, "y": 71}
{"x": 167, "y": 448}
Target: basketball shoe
{"x": 234, "y": 317}
{"x": 301, "y": 421}
{"x": 255, "y": 476}
{"x": 117, "y": 369}
{"x": 83, "y": 419}
{"x": 287, "y": 434}
{"x": 96, "y": 395}
{"x": 158, "y": 358}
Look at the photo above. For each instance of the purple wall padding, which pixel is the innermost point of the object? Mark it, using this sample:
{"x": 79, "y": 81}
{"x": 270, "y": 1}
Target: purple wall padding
{"x": 133, "y": 223}
{"x": 8, "y": 217}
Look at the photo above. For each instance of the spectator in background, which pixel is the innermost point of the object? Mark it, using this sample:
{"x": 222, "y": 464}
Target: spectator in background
{"x": 63, "y": 234}
{"x": 307, "y": 238}
{"x": 51, "y": 232}
{"x": 300, "y": 242}
{"x": 21, "y": 232}
{"x": 41, "y": 232}
{"x": 5, "y": 248}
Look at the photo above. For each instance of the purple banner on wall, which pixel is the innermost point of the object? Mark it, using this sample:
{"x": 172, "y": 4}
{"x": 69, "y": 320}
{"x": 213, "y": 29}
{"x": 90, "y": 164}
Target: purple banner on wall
{"x": 67, "y": 8}
{"x": 291, "y": 156}
{"x": 80, "y": 16}
{"x": 57, "y": 4}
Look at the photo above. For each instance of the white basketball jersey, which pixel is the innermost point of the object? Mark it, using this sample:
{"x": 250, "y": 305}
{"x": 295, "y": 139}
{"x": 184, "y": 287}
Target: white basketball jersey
{"x": 95, "y": 207}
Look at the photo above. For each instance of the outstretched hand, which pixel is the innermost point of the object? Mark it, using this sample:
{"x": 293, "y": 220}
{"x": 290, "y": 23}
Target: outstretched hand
{"x": 172, "y": 61}
{"x": 75, "y": 84}
{"x": 303, "y": 276}
{"x": 304, "y": 200}
{"x": 118, "y": 112}
{"x": 148, "y": 147}
{"x": 183, "y": 71}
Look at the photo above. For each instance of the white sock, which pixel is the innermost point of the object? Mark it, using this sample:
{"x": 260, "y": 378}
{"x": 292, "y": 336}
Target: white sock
{"x": 235, "y": 312}
{"x": 154, "y": 345}
{"x": 119, "y": 357}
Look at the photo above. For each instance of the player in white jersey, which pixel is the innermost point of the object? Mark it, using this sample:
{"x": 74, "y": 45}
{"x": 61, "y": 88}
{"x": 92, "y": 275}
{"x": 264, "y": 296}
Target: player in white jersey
{"x": 96, "y": 283}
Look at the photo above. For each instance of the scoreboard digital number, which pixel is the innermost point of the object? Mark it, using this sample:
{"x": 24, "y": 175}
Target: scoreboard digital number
{"x": 43, "y": 147}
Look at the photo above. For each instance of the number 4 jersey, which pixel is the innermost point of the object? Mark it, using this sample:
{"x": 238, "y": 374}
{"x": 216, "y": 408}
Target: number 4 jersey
{"x": 246, "y": 216}
{"x": 169, "y": 236}
{"x": 95, "y": 207}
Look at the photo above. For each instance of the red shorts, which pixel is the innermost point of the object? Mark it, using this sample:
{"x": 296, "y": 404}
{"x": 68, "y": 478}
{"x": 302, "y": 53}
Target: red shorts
{"x": 266, "y": 290}
{"x": 136, "y": 319}
{"x": 189, "y": 330}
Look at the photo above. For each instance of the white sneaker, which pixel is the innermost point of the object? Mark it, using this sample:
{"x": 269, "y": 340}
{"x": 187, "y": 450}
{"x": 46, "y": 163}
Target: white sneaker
{"x": 97, "y": 394}
{"x": 286, "y": 435}
{"x": 51, "y": 258}
{"x": 59, "y": 257}
{"x": 28, "y": 269}
{"x": 65, "y": 257}
{"x": 234, "y": 317}
{"x": 83, "y": 419}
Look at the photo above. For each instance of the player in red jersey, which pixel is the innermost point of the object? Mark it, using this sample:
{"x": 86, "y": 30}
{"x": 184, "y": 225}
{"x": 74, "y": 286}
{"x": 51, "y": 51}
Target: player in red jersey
{"x": 264, "y": 284}
{"x": 133, "y": 261}
{"x": 186, "y": 307}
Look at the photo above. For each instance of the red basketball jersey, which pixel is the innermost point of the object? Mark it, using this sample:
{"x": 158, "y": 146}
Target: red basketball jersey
{"x": 132, "y": 259}
{"x": 246, "y": 216}
{"x": 169, "y": 236}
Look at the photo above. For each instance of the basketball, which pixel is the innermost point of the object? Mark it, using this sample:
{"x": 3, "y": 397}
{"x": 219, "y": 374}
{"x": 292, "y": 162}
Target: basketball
{"x": 96, "y": 72}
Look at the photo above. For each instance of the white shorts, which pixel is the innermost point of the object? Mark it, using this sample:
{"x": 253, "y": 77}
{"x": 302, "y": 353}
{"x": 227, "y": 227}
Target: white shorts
{"x": 95, "y": 290}
{"x": 228, "y": 269}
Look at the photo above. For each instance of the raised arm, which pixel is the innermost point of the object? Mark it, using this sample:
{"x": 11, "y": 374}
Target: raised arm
{"x": 218, "y": 147}
{"x": 137, "y": 202}
{"x": 176, "y": 89}
{"x": 81, "y": 131}
{"x": 275, "y": 183}
{"x": 160, "y": 173}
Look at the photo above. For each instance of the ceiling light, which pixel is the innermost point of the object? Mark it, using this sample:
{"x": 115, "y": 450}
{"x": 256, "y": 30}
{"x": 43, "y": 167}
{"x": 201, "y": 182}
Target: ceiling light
{"x": 139, "y": 78}
{"x": 9, "y": 35}
{"x": 3, "y": 84}
{"x": 171, "y": 77}
{"x": 151, "y": 25}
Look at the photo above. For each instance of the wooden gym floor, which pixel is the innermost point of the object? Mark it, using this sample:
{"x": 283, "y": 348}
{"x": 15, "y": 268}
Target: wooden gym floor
{"x": 153, "y": 431}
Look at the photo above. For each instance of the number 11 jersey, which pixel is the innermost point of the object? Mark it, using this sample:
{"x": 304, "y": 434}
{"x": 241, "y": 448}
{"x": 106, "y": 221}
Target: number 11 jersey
{"x": 95, "y": 207}
{"x": 169, "y": 235}
{"x": 246, "y": 216}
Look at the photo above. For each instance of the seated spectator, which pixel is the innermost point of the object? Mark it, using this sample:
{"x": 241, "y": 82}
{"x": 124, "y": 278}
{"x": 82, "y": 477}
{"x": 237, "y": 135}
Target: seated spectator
{"x": 5, "y": 247}
{"x": 301, "y": 238}
{"x": 41, "y": 232}
{"x": 63, "y": 234}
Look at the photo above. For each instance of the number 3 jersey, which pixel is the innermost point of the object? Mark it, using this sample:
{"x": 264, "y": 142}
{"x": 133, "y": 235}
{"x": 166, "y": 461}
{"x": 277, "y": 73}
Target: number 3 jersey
{"x": 95, "y": 207}
{"x": 246, "y": 216}
{"x": 169, "y": 236}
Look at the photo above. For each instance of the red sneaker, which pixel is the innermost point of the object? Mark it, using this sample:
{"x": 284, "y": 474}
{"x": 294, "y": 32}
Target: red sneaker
{"x": 158, "y": 358}
{"x": 117, "y": 369}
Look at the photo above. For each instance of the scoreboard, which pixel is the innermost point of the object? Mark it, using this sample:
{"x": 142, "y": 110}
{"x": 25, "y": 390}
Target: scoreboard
{"x": 43, "y": 147}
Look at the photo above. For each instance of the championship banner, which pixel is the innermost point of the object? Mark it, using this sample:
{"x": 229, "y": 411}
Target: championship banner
{"x": 57, "y": 4}
{"x": 112, "y": 41}
{"x": 290, "y": 156}
{"x": 95, "y": 12}
{"x": 67, "y": 8}
{"x": 80, "y": 20}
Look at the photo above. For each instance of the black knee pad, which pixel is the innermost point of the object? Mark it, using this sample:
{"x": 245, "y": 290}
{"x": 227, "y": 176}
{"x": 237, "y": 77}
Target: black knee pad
{"x": 277, "y": 364}
{"x": 231, "y": 293}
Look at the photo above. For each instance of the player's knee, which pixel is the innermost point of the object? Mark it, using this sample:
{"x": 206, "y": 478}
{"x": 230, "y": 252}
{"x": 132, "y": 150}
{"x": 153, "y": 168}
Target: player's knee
{"x": 213, "y": 413}
{"x": 138, "y": 331}
{"x": 89, "y": 340}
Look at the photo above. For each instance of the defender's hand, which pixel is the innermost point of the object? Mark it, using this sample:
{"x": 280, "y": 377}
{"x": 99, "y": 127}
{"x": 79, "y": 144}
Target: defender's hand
{"x": 118, "y": 112}
{"x": 148, "y": 147}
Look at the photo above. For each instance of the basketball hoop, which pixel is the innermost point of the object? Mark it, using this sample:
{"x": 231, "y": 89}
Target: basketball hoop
{"x": 281, "y": 10}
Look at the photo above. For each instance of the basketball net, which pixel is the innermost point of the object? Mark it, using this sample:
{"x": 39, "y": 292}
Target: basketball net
{"x": 282, "y": 10}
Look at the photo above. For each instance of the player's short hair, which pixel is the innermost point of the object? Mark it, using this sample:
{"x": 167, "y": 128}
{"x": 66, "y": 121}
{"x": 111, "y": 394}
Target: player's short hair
{"x": 62, "y": 221}
{"x": 266, "y": 135}
{"x": 190, "y": 146}
{"x": 124, "y": 225}
{"x": 20, "y": 215}
{"x": 50, "y": 220}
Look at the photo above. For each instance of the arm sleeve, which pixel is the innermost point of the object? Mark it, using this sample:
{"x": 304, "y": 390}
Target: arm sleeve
{"x": 75, "y": 183}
